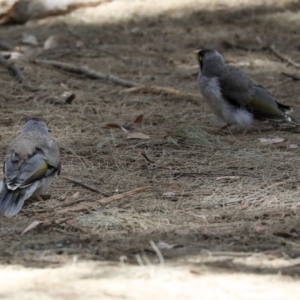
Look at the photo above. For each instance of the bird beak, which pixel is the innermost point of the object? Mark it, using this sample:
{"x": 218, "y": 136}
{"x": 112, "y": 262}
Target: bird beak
{"x": 195, "y": 52}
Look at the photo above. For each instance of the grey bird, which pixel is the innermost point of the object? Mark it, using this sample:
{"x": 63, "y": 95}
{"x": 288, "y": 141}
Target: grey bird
{"x": 31, "y": 163}
{"x": 235, "y": 97}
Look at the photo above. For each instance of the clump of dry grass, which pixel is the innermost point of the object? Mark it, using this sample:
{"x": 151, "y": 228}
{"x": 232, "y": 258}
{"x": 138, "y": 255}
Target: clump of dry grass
{"x": 193, "y": 135}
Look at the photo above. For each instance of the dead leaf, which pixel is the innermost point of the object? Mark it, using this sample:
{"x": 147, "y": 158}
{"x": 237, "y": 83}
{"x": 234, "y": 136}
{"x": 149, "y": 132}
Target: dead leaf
{"x": 196, "y": 272}
{"x": 76, "y": 195}
{"x": 29, "y": 39}
{"x": 124, "y": 128}
{"x": 163, "y": 245}
{"x": 169, "y": 194}
{"x": 261, "y": 228}
{"x": 139, "y": 119}
{"x": 285, "y": 235}
{"x": 31, "y": 226}
{"x": 68, "y": 96}
{"x": 138, "y": 135}
{"x": 293, "y": 146}
{"x": 111, "y": 125}
{"x": 271, "y": 141}
{"x": 11, "y": 55}
{"x": 59, "y": 41}
{"x": 228, "y": 178}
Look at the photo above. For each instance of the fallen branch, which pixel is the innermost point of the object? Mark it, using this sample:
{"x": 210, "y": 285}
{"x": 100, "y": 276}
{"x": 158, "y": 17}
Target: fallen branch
{"x": 165, "y": 91}
{"x": 133, "y": 87}
{"x": 83, "y": 70}
{"x": 13, "y": 68}
{"x": 104, "y": 201}
{"x": 89, "y": 187}
{"x": 124, "y": 195}
{"x": 283, "y": 57}
{"x": 293, "y": 76}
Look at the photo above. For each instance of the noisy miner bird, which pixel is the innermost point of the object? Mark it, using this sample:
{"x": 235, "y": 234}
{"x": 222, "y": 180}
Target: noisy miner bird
{"x": 31, "y": 162}
{"x": 235, "y": 97}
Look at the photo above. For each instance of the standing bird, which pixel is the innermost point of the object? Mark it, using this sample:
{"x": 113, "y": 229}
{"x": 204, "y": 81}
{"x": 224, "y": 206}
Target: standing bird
{"x": 31, "y": 162}
{"x": 233, "y": 96}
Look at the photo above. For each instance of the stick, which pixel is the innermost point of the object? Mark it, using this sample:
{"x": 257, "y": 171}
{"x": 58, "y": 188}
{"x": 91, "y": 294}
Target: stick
{"x": 165, "y": 91}
{"x": 158, "y": 253}
{"x": 293, "y": 76}
{"x": 143, "y": 153}
{"x": 69, "y": 203}
{"x": 83, "y": 70}
{"x": 283, "y": 57}
{"x": 124, "y": 195}
{"x": 14, "y": 69}
{"x": 89, "y": 187}
{"x": 105, "y": 201}
{"x": 133, "y": 87}
{"x": 77, "y": 227}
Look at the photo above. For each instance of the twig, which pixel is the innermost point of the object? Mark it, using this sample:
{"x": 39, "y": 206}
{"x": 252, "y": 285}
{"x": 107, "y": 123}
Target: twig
{"x": 158, "y": 253}
{"x": 143, "y": 153}
{"x": 89, "y": 187}
{"x": 83, "y": 70}
{"x": 69, "y": 203}
{"x": 14, "y": 69}
{"x": 124, "y": 195}
{"x": 105, "y": 201}
{"x": 76, "y": 227}
{"x": 293, "y": 76}
{"x": 133, "y": 87}
{"x": 165, "y": 91}
{"x": 283, "y": 57}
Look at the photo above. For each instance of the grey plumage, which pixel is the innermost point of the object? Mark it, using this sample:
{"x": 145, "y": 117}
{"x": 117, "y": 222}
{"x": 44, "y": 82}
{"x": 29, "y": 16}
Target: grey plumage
{"x": 235, "y": 97}
{"x": 31, "y": 163}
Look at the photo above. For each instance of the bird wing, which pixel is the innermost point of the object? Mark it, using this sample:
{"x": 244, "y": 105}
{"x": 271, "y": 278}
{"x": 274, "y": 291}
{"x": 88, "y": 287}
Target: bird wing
{"x": 264, "y": 106}
{"x": 30, "y": 157}
{"x": 19, "y": 174}
{"x": 236, "y": 87}
{"x": 241, "y": 91}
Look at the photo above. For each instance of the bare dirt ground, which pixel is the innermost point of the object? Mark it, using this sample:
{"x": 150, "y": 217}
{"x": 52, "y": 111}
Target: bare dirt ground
{"x": 221, "y": 215}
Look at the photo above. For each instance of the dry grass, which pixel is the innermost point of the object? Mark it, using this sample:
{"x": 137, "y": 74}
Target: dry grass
{"x": 213, "y": 193}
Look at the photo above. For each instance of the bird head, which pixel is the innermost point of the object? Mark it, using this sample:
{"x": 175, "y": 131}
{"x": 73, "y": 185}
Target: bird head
{"x": 209, "y": 59}
{"x": 35, "y": 124}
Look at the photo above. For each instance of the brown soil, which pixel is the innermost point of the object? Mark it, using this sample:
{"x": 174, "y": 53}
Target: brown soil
{"x": 223, "y": 207}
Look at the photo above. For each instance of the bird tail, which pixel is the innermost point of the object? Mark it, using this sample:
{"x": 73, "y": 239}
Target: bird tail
{"x": 292, "y": 120}
{"x": 11, "y": 202}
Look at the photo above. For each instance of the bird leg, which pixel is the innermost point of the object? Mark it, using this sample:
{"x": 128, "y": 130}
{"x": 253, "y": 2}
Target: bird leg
{"x": 245, "y": 130}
